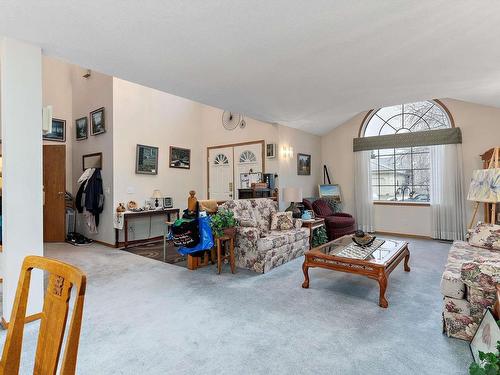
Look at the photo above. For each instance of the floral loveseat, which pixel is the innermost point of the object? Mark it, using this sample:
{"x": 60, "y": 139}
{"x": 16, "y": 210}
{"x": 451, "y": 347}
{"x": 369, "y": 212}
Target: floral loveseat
{"x": 257, "y": 247}
{"x": 469, "y": 281}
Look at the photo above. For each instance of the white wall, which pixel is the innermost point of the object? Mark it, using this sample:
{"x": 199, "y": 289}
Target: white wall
{"x": 90, "y": 94}
{"x": 480, "y": 129}
{"x": 154, "y": 118}
{"x": 303, "y": 143}
{"x": 21, "y": 127}
{"x": 147, "y": 116}
{"x": 57, "y": 91}
{"x": 214, "y": 134}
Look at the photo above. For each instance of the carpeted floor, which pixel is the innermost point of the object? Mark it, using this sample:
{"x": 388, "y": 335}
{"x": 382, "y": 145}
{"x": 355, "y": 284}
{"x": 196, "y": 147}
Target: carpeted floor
{"x": 147, "y": 317}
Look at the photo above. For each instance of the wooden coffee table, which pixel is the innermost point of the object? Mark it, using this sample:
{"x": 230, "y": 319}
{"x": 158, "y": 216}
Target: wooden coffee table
{"x": 376, "y": 266}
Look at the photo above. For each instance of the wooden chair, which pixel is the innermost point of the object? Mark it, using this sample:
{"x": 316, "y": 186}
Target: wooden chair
{"x": 62, "y": 277}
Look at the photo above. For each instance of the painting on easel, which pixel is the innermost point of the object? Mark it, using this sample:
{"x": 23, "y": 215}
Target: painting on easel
{"x": 485, "y": 186}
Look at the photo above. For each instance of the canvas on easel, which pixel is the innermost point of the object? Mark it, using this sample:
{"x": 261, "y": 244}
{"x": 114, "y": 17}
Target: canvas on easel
{"x": 485, "y": 186}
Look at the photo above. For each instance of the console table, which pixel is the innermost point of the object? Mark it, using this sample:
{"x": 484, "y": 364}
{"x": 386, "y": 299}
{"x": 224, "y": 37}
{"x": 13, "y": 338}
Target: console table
{"x": 127, "y": 215}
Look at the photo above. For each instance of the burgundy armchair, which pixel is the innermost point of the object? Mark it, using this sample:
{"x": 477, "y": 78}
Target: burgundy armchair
{"x": 337, "y": 224}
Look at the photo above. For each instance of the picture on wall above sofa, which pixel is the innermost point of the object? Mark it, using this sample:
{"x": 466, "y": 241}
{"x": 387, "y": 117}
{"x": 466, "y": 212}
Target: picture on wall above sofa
{"x": 97, "y": 124}
{"x": 146, "y": 160}
{"x": 82, "y": 128}
{"x": 303, "y": 164}
{"x": 58, "y": 132}
{"x": 180, "y": 157}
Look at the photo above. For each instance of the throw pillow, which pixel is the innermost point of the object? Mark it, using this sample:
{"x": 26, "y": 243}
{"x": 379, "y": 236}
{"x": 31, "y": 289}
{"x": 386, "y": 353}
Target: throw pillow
{"x": 281, "y": 221}
{"x": 321, "y": 208}
{"x": 247, "y": 219}
{"x": 486, "y": 236}
{"x": 334, "y": 205}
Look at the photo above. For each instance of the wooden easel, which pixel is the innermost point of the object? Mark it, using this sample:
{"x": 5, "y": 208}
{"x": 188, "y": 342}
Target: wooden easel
{"x": 492, "y": 164}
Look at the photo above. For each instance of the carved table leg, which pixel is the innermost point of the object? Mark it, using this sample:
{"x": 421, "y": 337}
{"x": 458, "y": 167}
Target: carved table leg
{"x": 407, "y": 258}
{"x": 305, "y": 269}
{"x": 382, "y": 282}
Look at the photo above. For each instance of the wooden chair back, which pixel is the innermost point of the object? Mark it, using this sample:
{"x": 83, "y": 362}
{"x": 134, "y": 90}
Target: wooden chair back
{"x": 62, "y": 278}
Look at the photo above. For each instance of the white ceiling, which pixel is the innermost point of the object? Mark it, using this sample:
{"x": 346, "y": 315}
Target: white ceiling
{"x": 306, "y": 64}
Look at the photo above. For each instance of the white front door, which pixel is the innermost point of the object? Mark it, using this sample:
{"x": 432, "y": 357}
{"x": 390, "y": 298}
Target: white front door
{"x": 220, "y": 161}
{"x": 247, "y": 159}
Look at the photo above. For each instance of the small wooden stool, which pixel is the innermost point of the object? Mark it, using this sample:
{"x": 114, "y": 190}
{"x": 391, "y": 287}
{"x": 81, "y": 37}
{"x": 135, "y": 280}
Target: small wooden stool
{"x": 220, "y": 241}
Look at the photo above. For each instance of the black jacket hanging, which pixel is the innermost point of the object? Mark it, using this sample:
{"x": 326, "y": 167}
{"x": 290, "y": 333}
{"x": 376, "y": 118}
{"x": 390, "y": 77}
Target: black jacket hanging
{"x": 94, "y": 195}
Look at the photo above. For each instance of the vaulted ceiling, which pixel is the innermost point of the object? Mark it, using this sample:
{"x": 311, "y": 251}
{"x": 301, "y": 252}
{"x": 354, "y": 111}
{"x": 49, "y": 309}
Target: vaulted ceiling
{"x": 306, "y": 64}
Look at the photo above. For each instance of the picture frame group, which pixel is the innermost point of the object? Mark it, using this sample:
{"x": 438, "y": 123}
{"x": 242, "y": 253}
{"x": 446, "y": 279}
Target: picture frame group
{"x": 97, "y": 124}
{"x": 146, "y": 159}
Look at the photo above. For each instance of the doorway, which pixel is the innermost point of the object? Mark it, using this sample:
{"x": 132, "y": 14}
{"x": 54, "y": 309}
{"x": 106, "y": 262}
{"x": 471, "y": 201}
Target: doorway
{"x": 228, "y": 163}
{"x": 54, "y": 189}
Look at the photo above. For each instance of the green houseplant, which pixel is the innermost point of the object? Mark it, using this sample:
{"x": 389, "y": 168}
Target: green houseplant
{"x": 223, "y": 222}
{"x": 490, "y": 364}
{"x": 319, "y": 237}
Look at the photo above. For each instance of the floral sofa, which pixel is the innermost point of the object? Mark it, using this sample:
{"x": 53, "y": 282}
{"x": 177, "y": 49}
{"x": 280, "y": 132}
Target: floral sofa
{"x": 469, "y": 281}
{"x": 257, "y": 247}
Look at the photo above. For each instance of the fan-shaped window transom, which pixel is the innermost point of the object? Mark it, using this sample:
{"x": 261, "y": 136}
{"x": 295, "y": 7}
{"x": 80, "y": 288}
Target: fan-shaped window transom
{"x": 221, "y": 159}
{"x": 247, "y": 157}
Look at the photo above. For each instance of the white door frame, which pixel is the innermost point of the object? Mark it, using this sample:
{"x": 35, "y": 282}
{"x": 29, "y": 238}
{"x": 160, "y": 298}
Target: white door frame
{"x": 262, "y": 142}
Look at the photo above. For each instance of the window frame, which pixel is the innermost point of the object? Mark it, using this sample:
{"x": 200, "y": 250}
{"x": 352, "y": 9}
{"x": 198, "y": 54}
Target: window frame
{"x": 366, "y": 120}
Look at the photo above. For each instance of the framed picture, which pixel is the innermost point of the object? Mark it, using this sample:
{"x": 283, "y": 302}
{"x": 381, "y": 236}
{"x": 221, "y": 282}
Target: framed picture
{"x": 180, "y": 157}
{"x": 330, "y": 191}
{"x": 303, "y": 164}
{"x": 82, "y": 128}
{"x": 97, "y": 125}
{"x": 146, "y": 160}
{"x": 486, "y": 337}
{"x": 58, "y": 133}
{"x": 92, "y": 161}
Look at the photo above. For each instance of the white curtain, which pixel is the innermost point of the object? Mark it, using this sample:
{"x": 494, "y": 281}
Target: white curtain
{"x": 447, "y": 196}
{"x": 363, "y": 191}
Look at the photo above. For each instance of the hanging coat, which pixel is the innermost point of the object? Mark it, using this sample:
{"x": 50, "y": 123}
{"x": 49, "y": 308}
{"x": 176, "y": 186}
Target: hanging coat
{"x": 94, "y": 195}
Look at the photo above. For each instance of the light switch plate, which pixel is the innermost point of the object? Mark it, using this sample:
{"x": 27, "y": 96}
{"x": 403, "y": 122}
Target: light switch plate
{"x": 130, "y": 190}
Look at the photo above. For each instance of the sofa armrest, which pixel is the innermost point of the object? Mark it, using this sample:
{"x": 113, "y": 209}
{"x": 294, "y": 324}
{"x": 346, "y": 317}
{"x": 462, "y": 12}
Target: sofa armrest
{"x": 481, "y": 274}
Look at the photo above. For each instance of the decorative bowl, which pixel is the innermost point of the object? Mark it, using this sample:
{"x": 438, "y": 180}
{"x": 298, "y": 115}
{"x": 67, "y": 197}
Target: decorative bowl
{"x": 363, "y": 240}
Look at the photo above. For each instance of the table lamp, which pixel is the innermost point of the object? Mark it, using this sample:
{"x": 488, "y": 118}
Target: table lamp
{"x": 157, "y": 196}
{"x": 293, "y": 195}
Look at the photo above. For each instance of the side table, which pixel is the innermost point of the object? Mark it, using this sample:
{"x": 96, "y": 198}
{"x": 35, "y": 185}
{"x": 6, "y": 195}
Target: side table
{"x": 220, "y": 242}
{"x": 312, "y": 225}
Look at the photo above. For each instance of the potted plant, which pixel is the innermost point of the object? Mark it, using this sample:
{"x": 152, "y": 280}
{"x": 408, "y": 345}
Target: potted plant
{"x": 223, "y": 223}
{"x": 490, "y": 363}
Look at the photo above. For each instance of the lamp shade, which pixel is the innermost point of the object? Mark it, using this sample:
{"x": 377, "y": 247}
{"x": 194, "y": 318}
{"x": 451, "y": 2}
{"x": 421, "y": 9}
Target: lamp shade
{"x": 292, "y": 194}
{"x": 485, "y": 186}
{"x": 157, "y": 194}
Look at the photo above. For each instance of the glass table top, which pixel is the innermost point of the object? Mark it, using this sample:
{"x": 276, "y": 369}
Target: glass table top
{"x": 380, "y": 255}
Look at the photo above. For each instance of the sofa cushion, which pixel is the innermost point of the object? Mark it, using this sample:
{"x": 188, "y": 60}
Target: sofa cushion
{"x": 451, "y": 282}
{"x": 486, "y": 236}
{"x": 247, "y": 218}
{"x": 458, "y": 306}
{"x": 322, "y": 208}
{"x": 263, "y": 209}
{"x": 276, "y": 239}
{"x": 482, "y": 273}
{"x": 281, "y": 221}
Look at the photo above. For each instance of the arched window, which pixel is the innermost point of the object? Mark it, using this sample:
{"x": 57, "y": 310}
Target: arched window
{"x": 247, "y": 157}
{"x": 221, "y": 159}
{"x": 403, "y": 174}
